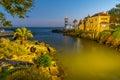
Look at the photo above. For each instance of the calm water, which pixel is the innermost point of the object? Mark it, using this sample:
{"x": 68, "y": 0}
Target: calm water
{"x": 82, "y": 59}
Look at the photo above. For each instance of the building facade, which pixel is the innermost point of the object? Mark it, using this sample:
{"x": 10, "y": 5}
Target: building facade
{"x": 98, "y": 22}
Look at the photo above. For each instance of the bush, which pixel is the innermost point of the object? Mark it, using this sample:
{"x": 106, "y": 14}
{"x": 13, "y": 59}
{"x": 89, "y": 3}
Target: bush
{"x": 44, "y": 60}
{"x": 116, "y": 33}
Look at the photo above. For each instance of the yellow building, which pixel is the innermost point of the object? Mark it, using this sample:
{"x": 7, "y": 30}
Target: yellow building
{"x": 98, "y": 22}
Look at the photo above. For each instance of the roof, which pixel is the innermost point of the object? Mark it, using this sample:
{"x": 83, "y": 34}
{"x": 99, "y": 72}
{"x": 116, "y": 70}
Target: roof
{"x": 100, "y": 14}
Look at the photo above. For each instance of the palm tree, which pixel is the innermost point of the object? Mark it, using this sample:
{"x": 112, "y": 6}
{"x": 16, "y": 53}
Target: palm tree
{"x": 74, "y": 21}
{"x": 22, "y": 34}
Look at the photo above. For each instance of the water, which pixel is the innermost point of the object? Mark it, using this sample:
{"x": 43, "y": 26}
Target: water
{"x": 83, "y": 59}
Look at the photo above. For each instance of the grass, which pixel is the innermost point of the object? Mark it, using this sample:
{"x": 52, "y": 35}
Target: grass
{"x": 29, "y": 73}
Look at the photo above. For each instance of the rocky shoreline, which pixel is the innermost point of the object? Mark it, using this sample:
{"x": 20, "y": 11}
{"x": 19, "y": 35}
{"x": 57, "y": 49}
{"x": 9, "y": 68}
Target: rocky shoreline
{"x": 67, "y": 32}
{"x": 6, "y": 34}
{"x": 107, "y": 37}
{"x": 32, "y": 49}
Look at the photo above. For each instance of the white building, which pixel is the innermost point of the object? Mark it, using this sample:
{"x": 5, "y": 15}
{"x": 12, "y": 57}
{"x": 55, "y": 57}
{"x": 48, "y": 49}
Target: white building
{"x": 67, "y": 26}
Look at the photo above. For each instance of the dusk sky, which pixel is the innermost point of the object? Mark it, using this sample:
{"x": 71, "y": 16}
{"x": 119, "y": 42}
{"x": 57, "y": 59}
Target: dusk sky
{"x": 51, "y": 13}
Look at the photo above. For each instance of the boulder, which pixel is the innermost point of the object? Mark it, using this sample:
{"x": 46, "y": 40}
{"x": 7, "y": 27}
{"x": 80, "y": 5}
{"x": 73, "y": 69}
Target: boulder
{"x": 55, "y": 78}
{"x": 54, "y": 71}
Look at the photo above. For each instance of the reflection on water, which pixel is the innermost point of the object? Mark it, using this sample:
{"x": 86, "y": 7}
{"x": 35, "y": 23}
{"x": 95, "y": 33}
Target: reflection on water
{"x": 91, "y": 61}
{"x": 83, "y": 59}
{"x": 77, "y": 46}
{"x": 70, "y": 46}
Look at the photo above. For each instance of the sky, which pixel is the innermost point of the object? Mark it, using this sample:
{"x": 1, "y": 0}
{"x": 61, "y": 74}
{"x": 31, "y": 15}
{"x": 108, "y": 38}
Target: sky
{"x": 51, "y": 13}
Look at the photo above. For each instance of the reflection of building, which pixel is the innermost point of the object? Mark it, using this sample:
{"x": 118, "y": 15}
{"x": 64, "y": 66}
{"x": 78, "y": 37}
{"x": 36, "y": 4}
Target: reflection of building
{"x": 98, "y": 22}
{"x": 67, "y": 26}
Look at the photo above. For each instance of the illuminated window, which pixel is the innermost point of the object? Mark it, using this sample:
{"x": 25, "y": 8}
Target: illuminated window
{"x": 103, "y": 25}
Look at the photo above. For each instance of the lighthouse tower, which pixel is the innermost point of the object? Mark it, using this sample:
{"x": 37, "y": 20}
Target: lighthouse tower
{"x": 66, "y": 21}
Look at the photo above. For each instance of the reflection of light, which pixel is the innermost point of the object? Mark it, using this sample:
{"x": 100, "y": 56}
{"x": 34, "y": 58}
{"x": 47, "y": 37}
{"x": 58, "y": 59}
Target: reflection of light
{"x": 66, "y": 43}
{"x": 66, "y": 40}
{"x": 77, "y": 45}
{"x": 78, "y": 42}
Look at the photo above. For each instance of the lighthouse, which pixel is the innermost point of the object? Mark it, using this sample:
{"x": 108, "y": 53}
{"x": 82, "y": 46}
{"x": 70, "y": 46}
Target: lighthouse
{"x": 67, "y": 25}
{"x": 66, "y": 21}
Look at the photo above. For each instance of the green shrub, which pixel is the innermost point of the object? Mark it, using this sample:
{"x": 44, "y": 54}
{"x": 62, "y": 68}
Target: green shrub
{"x": 44, "y": 60}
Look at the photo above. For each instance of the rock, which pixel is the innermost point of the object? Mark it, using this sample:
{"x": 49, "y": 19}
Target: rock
{"x": 51, "y": 50}
{"x": 47, "y": 74}
{"x": 10, "y": 67}
{"x": 32, "y": 49}
{"x": 42, "y": 44}
{"x": 58, "y": 31}
{"x": 55, "y": 78}
{"x": 53, "y": 64}
{"x": 43, "y": 49}
{"x": 4, "y": 64}
{"x": 1, "y": 69}
{"x": 15, "y": 57}
{"x": 45, "y": 71}
{"x": 54, "y": 71}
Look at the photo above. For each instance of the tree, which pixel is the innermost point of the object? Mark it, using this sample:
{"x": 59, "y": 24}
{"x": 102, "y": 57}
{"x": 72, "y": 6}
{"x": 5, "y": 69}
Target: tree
{"x": 74, "y": 21}
{"x": 22, "y": 34}
{"x": 115, "y": 15}
{"x": 14, "y": 8}
{"x": 116, "y": 33}
{"x": 3, "y": 20}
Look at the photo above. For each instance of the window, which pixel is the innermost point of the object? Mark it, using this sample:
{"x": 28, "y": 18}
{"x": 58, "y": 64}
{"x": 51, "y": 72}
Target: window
{"x": 104, "y": 19}
{"x": 103, "y": 25}
{"x": 95, "y": 19}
